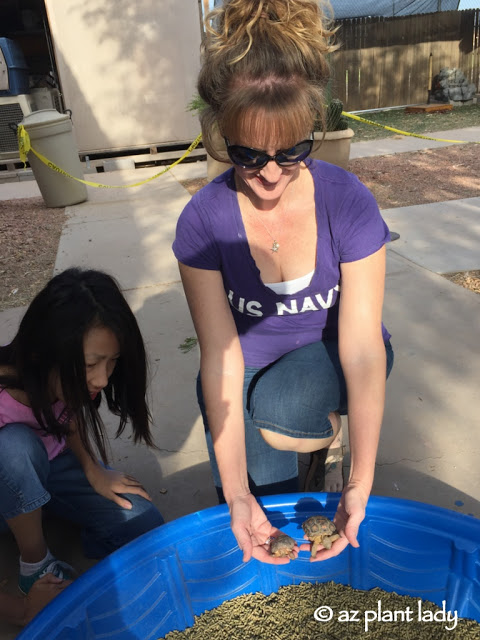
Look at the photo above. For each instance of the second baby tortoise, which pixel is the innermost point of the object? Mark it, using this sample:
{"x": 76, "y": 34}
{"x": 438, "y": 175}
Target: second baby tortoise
{"x": 321, "y": 531}
{"x": 282, "y": 546}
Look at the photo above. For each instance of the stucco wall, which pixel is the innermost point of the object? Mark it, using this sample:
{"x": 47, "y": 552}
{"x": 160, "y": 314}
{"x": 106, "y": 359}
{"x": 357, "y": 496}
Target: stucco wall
{"x": 127, "y": 69}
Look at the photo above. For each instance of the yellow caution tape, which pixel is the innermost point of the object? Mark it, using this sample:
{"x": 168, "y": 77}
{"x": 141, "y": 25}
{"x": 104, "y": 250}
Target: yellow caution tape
{"x": 25, "y": 147}
{"x": 23, "y": 143}
{"x": 404, "y": 133}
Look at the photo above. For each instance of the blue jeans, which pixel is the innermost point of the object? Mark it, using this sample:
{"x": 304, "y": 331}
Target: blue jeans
{"x": 292, "y": 396}
{"x": 28, "y": 480}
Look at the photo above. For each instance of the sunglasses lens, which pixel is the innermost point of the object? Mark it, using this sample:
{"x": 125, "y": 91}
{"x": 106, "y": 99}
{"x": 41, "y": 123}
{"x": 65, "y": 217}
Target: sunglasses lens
{"x": 246, "y": 157}
{"x": 254, "y": 159}
{"x": 296, "y": 154}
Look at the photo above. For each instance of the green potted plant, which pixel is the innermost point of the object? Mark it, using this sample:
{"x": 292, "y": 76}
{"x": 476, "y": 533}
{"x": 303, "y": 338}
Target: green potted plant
{"x": 214, "y": 167}
{"x": 334, "y": 146}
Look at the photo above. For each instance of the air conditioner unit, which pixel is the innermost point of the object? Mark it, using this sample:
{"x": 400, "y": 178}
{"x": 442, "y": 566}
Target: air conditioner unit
{"x": 12, "y": 111}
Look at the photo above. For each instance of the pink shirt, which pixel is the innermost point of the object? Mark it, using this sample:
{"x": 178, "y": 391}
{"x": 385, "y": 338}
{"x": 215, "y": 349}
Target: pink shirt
{"x": 13, "y": 411}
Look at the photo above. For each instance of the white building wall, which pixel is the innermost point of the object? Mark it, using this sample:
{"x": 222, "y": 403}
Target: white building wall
{"x": 127, "y": 69}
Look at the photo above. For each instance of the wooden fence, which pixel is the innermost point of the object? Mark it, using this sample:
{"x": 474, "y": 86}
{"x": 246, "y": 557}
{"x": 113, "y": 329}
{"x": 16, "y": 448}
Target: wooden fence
{"x": 386, "y": 62}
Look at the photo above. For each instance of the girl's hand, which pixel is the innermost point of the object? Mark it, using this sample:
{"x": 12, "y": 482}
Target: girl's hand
{"x": 253, "y": 531}
{"x": 41, "y": 593}
{"x": 109, "y": 483}
{"x": 350, "y": 513}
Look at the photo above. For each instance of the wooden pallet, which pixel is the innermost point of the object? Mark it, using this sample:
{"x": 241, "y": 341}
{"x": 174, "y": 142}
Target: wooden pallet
{"x": 429, "y": 108}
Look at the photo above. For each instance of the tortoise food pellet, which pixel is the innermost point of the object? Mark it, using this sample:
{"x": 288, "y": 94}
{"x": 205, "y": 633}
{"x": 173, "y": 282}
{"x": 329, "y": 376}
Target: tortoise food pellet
{"x": 328, "y": 611}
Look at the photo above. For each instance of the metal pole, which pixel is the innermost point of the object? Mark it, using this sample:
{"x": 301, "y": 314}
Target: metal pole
{"x": 200, "y": 17}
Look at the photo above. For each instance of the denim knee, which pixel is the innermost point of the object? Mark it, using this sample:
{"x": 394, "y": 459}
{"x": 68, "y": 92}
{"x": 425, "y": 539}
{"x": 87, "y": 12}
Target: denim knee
{"x": 123, "y": 526}
{"x": 105, "y": 525}
{"x": 295, "y": 395}
{"x": 24, "y": 468}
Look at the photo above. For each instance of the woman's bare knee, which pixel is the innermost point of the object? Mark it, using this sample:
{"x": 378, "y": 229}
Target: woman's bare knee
{"x": 300, "y": 445}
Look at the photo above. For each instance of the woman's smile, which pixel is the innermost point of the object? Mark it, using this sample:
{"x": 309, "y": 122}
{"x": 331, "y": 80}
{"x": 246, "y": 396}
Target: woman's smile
{"x": 267, "y": 185}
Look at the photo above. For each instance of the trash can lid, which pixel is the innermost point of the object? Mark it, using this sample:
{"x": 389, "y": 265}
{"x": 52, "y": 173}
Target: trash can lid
{"x": 44, "y": 116}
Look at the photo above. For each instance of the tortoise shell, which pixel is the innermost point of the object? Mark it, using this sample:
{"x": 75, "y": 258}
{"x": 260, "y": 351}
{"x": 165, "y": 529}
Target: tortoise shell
{"x": 318, "y": 526}
{"x": 282, "y": 546}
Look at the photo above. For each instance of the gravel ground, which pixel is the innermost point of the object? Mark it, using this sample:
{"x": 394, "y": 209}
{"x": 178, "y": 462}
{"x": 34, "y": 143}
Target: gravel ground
{"x": 29, "y": 237}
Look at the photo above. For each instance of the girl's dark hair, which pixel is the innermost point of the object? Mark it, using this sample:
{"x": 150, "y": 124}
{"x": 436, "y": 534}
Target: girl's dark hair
{"x": 50, "y": 341}
{"x": 264, "y": 58}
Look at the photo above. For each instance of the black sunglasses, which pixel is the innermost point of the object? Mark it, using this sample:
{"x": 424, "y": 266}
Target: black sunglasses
{"x": 249, "y": 158}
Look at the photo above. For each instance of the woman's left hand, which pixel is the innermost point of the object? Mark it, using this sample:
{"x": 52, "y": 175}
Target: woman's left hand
{"x": 109, "y": 483}
{"x": 350, "y": 513}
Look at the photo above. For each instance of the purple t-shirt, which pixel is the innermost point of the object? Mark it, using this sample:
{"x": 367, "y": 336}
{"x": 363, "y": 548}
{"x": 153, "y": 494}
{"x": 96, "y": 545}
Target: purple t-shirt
{"x": 211, "y": 235}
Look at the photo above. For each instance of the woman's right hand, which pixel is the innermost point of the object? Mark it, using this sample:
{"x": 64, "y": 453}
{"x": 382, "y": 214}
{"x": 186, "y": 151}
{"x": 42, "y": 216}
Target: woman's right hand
{"x": 253, "y": 531}
{"x": 222, "y": 375}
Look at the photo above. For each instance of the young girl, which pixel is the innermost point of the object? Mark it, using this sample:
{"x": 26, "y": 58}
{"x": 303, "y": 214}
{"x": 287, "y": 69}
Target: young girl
{"x": 78, "y": 338}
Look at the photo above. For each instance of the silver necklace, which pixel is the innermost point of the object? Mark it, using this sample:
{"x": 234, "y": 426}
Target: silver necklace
{"x": 275, "y": 244}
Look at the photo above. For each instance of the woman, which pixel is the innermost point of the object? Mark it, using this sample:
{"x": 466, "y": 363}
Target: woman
{"x": 264, "y": 251}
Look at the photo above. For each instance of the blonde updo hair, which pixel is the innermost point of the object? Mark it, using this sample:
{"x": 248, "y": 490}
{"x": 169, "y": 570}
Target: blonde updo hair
{"x": 264, "y": 71}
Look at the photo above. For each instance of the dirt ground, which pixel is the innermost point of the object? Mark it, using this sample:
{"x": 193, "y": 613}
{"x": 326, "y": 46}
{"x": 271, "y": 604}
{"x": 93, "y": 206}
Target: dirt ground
{"x": 30, "y": 232}
{"x": 29, "y": 237}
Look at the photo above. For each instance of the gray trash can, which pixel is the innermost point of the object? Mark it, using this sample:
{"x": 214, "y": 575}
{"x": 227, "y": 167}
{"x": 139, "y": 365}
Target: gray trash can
{"x": 51, "y": 135}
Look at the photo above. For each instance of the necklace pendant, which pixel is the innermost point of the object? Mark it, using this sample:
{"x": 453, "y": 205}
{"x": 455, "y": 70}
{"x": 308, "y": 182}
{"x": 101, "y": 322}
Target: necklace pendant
{"x": 275, "y": 246}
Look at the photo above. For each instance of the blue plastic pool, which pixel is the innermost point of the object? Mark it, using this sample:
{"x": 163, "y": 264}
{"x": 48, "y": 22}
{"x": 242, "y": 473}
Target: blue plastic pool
{"x": 160, "y": 581}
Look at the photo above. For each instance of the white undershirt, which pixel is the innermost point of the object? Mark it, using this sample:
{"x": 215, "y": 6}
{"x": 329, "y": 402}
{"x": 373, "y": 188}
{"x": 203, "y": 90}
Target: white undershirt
{"x": 291, "y": 286}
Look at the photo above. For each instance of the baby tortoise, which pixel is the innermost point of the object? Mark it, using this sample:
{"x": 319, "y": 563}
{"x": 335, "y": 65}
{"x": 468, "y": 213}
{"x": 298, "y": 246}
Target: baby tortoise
{"x": 282, "y": 546}
{"x": 321, "y": 531}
